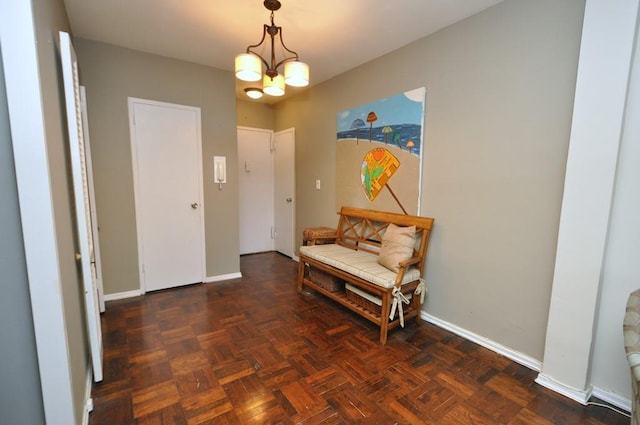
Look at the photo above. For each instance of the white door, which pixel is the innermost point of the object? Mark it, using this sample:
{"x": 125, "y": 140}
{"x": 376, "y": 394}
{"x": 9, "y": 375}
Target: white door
{"x": 81, "y": 196}
{"x": 167, "y": 167}
{"x": 284, "y": 188}
{"x": 255, "y": 185}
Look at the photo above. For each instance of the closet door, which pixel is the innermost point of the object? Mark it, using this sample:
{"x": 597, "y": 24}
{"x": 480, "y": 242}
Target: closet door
{"x": 167, "y": 169}
{"x": 86, "y": 256}
{"x": 285, "y": 190}
{"x": 255, "y": 181}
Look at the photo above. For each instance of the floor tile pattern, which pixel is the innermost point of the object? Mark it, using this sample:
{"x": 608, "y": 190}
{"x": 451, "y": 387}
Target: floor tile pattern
{"x": 254, "y": 351}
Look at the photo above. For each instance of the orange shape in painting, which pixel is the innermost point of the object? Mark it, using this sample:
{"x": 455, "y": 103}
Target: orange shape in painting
{"x": 377, "y": 168}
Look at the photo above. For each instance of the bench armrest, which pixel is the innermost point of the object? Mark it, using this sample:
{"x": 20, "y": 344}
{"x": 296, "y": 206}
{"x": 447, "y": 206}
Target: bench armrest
{"x": 403, "y": 266}
{"x": 409, "y": 262}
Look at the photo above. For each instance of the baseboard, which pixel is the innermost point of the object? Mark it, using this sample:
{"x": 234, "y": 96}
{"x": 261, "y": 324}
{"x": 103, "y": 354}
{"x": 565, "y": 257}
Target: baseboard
{"x": 137, "y": 292}
{"x": 88, "y": 401}
{"x": 122, "y": 295}
{"x": 221, "y": 277}
{"x": 505, "y": 351}
{"x": 612, "y": 398}
{"x": 581, "y": 396}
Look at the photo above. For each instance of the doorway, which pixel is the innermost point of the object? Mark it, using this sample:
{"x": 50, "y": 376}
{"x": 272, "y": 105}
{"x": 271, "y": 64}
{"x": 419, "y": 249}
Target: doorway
{"x": 167, "y": 169}
{"x": 267, "y": 187}
{"x": 284, "y": 202}
{"x": 255, "y": 185}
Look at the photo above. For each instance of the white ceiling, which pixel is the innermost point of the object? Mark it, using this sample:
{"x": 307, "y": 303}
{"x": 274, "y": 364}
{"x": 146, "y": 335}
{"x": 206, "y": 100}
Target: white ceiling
{"x": 332, "y": 36}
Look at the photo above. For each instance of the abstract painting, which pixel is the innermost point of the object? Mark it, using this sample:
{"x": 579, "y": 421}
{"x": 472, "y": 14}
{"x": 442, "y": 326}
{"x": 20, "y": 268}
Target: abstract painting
{"x": 379, "y": 154}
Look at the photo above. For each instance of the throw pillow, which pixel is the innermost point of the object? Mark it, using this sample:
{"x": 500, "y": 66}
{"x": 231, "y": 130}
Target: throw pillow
{"x": 397, "y": 246}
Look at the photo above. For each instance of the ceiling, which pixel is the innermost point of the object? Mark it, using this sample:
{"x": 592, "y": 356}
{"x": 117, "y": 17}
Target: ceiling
{"x": 332, "y": 36}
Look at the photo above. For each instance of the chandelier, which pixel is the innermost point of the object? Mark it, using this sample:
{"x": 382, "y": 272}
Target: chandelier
{"x": 249, "y": 64}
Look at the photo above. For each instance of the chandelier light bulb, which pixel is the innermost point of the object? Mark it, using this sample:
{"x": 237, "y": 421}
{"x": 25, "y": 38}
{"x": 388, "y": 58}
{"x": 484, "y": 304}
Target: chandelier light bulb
{"x": 253, "y": 92}
{"x": 273, "y": 86}
{"x": 296, "y": 74}
{"x": 248, "y": 67}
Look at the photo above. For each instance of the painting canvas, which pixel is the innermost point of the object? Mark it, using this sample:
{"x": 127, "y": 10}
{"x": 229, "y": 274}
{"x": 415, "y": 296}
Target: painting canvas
{"x": 379, "y": 154}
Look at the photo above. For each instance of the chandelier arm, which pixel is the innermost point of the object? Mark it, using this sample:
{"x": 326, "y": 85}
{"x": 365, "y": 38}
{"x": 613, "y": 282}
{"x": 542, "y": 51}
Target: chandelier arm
{"x": 295, "y": 55}
{"x": 264, "y": 35}
{"x": 271, "y": 65}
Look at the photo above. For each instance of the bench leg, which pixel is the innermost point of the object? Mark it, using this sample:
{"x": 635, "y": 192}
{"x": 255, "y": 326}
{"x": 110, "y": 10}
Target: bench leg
{"x": 384, "y": 317}
{"x": 300, "y": 273}
{"x": 418, "y": 307}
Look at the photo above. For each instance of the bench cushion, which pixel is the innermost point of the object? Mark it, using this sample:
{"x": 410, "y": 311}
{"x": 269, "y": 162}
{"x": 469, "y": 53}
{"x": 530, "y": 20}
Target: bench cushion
{"x": 358, "y": 263}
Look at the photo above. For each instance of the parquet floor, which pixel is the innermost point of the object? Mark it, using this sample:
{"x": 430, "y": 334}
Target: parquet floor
{"x": 254, "y": 351}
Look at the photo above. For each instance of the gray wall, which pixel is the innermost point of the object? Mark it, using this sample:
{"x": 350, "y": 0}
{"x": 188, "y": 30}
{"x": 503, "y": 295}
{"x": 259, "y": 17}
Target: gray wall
{"x": 112, "y": 74}
{"x": 20, "y": 396}
{"x": 255, "y": 114}
{"x": 500, "y": 89}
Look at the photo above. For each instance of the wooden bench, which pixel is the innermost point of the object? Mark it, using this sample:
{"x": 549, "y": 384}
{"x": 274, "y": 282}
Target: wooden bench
{"x": 385, "y": 297}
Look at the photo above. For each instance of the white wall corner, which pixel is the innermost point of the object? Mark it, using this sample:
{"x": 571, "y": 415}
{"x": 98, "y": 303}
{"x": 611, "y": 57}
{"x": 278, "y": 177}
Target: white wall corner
{"x": 28, "y": 133}
{"x": 598, "y": 114}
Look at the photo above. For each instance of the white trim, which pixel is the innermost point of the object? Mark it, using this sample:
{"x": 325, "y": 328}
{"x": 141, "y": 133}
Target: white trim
{"x": 612, "y": 398}
{"x": 28, "y": 134}
{"x": 292, "y": 243}
{"x": 137, "y": 292}
{"x": 122, "y": 295}
{"x": 509, "y": 353}
{"x": 581, "y": 396}
{"x": 258, "y": 129}
{"x": 221, "y": 277}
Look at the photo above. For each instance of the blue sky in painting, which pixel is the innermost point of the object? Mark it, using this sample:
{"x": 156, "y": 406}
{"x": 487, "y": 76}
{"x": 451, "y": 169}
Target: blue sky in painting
{"x": 403, "y": 108}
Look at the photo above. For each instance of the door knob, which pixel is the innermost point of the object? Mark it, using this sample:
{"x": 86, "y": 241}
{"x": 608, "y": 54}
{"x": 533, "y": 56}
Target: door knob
{"x": 195, "y": 205}
{"x": 289, "y": 200}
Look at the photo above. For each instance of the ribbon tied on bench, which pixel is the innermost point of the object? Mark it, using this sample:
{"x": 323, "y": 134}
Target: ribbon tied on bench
{"x": 399, "y": 298}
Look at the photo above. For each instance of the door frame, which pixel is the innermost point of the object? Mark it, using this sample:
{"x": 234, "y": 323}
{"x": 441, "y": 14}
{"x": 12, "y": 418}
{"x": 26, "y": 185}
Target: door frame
{"x": 29, "y": 140}
{"x": 136, "y": 189}
{"x": 292, "y": 242}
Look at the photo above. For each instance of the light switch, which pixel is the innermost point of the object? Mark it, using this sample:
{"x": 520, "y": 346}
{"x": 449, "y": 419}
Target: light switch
{"x": 318, "y": 184}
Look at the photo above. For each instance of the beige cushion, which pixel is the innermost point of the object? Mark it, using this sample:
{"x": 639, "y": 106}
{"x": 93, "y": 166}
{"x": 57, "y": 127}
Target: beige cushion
{"x": 397, "y": 246}
{"x": 358, "y": 263}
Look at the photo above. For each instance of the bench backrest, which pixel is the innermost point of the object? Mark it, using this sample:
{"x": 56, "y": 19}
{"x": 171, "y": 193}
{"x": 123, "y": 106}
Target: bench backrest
{"x": 362, "y": 229}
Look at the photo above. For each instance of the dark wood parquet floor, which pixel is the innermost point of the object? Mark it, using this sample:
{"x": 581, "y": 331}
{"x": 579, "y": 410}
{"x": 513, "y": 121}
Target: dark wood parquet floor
{"x": 254, "y": 351}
